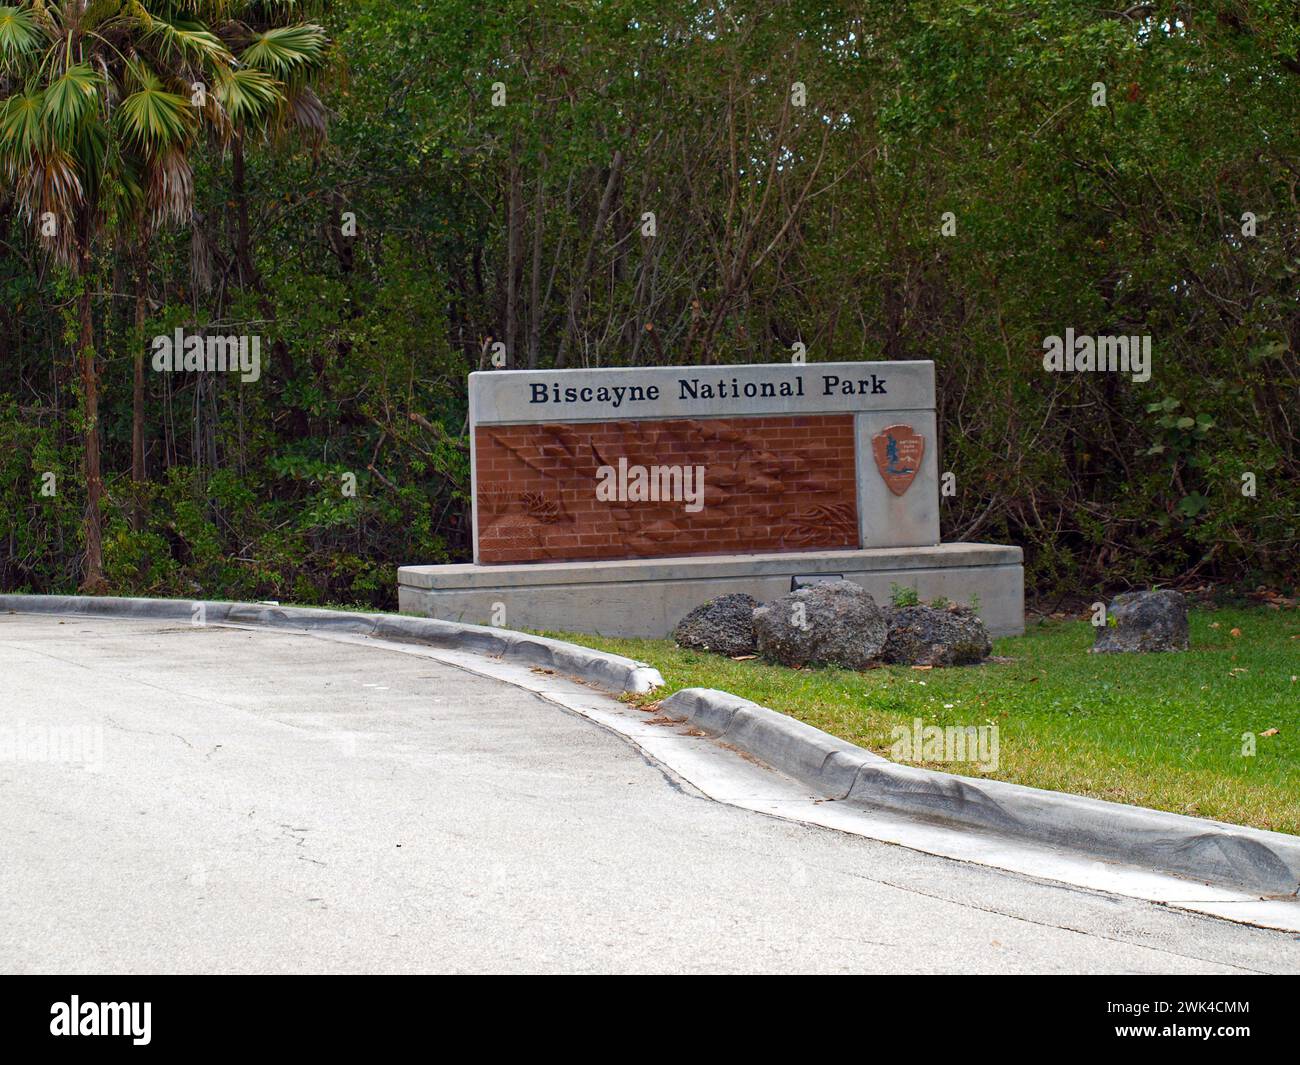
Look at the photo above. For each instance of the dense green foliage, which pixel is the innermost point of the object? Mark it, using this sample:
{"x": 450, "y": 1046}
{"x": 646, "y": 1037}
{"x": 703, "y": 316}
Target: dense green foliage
{"x": 775, "y": 224}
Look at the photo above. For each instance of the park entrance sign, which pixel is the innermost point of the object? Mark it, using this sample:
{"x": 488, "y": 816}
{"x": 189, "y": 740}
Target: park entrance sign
{"x": 655, "y": 463}
{"x": 617, "y": 500}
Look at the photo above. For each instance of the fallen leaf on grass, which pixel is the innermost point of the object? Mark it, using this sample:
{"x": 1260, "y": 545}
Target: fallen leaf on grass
{"x": 1269, "y": 732}
{"x": 1275, "y": 599}
{"x": 1234, "y": 632}
{"x": 1214, "y": 624}
{"x": 743, "y": 658}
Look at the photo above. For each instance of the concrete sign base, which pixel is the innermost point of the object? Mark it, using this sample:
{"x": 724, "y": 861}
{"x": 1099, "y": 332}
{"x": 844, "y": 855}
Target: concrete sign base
{"x": 648, "y": 597}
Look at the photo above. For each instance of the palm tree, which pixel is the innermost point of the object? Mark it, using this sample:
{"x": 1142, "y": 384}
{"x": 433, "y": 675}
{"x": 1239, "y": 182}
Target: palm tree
{"x": 101, "y": 105}
{"x": 260, "y": 77}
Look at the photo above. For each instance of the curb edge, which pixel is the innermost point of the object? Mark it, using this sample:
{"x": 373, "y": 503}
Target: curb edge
{"x": 1231, "y": 855}
{"x": 591, "y": 666}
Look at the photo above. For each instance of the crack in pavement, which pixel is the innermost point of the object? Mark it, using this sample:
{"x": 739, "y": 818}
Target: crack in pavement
{"x": 147, "y": 732}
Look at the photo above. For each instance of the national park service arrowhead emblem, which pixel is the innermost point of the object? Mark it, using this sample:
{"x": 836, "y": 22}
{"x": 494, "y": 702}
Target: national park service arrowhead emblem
{"x": 898, "y": 450}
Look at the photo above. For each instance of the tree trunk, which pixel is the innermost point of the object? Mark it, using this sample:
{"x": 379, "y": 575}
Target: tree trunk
{"x": 588, "y": 263}
{"x": 93, "y": 582}
{"x": 243, "y": 239}
{"x": 514, "y": 259}
{"x": 535, "y": 308}
{"x": 137, "y": 386}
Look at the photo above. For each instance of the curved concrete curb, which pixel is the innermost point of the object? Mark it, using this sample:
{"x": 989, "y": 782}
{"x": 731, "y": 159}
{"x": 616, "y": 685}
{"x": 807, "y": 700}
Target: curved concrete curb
{"x": 1264, "y": 862}
{"x": 593, "y": 667}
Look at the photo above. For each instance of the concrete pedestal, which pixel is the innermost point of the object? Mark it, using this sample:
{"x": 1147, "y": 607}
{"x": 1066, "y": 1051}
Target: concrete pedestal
{"x": 648, "y": 597}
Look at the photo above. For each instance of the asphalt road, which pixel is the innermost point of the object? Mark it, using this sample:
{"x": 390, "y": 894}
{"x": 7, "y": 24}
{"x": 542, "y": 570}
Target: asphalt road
{"x": 181, "y": 799}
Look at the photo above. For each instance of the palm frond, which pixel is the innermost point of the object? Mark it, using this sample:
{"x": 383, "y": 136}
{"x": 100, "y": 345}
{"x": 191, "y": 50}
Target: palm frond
{"x": 70, "y": 99}
{"x": 249, "y": 97}
{"x": 305, "y": 114}
{"x": 171, "y": 186}
{"x": 100, "y": 13}
{"x": 20, "y": 35}
{"x": 187, "y": 40}
{"x": 91, "y": 147}
{"x": 288, "y": 53}
{"x": 124, "y": 195}
{"x": 21, "y": 132}
{"x": 263, "y": 11}
{"x": 49, "y": 189}
{"x": 152, "y": 118}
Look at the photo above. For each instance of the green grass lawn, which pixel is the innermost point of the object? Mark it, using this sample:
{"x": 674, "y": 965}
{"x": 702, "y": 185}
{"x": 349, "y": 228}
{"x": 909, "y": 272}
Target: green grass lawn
{"x": 1160, "y": 730}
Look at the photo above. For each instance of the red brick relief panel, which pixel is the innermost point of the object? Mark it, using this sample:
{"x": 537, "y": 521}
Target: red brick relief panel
{"x": 611, "y": 490}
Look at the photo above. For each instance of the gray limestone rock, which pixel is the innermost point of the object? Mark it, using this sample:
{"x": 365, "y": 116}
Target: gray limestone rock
{"x": 1144, "y": 621}
{"x": 836, "y": 623}
{"x": 724, "y": 625}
